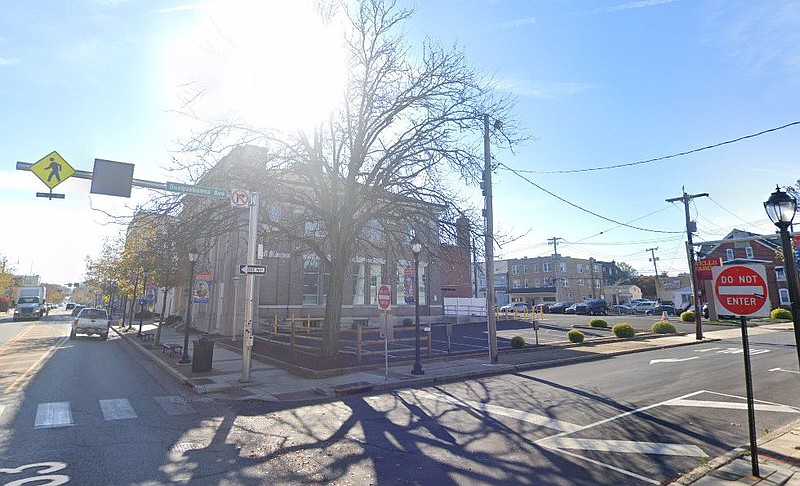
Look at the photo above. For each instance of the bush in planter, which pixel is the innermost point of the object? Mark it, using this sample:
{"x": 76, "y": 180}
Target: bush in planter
{"x": 170, "y": 320}
{"x": 517, "y": 342}
{"x": 598, "y": 323}
{"x": 663, "y": 327}
{"x": 575, "y": 336}
{"x": 408, "y": 322}
{"x": 623, "y": 330}
{"x": 687, "y": 316}
{"x": 5, "y": 303}
{"x": 775, "y": 314}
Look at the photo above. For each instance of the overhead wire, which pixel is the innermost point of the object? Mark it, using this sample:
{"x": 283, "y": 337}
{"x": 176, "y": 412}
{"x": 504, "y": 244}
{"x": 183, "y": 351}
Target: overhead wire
{"x": 665, "y": 157}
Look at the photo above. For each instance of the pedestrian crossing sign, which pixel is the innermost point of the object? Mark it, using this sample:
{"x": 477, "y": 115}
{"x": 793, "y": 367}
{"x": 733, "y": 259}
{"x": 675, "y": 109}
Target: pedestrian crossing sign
{"x": 52, "y": 169}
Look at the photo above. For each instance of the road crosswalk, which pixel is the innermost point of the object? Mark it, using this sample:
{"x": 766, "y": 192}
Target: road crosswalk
{"x": 50, "y": 415}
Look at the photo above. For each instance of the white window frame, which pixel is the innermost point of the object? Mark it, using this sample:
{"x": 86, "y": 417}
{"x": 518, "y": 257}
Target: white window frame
{"x": 514, "y": 270}
{"x": 780, "y": 274}
{"x": 580, "y": 267}
{"x": 748, "y": 252}
{"x": 783, "y": 295}
{"x": 729, "y": 254}
{"x": 548, "y": 267}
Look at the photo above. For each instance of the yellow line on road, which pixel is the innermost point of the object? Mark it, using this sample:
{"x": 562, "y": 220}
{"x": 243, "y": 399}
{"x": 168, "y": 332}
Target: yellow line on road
{"x": 29, "y": 373}
{"x": 15, "y": 339}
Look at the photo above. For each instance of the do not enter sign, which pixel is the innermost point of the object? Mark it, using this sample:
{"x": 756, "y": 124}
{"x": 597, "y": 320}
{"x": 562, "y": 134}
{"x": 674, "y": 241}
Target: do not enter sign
{"x": 741, "y": 290}
{"x": 384, "y": 297}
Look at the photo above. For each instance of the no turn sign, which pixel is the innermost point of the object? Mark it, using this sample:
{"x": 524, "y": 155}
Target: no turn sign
{"x": 384, "y": 297}
{"x": 741, "y": 290}
{"x": 240, "y": 198}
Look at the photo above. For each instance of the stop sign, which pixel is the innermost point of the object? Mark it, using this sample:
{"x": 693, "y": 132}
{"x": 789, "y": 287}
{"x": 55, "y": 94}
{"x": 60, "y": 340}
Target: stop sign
{"x": 384, "y": 297}
{"x": 741, "y": 290}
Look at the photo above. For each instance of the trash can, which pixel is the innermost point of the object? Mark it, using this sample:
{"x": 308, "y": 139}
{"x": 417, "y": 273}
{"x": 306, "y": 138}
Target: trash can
{"x": 202, "y": 355}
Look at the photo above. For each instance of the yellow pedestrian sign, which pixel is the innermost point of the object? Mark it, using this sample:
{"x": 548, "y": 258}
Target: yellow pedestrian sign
{"x": 52, "y": 169}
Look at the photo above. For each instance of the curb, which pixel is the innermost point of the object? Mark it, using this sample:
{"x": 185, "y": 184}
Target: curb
{"x": 158, "y": 361}
{"x": 721, "y": 461}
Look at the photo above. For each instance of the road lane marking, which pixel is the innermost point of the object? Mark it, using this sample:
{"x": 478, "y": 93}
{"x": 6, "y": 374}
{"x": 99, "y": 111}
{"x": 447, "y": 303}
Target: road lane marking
{"x": 2, "y": 409}
{"x": 607, "y": 466}
{"x": 16, "y": 338}
{"x": 117, "y": 409}
{"x": 35, "y": 367}
{"x": 529, "y": 417}
{"x": 672, "y": 360}
{"x": 731, "y": 405}
{"x": 785, "y": 371}
{"x": 629, "y": 446}
{"x": 53, "y": 414}
{"x": 707, "y": 350}
{"x": 174, "y": 405}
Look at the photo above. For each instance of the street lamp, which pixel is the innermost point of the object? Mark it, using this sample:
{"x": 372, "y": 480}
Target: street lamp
{"x": 193, "y": 256}
{"x": 416, "y": 247}
{"x": 141, "y": 303}
{"x": 781, "y": 208}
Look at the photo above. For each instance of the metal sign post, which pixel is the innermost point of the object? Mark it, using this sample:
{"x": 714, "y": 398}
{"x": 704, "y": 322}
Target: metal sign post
{"x": 384, "y": 304}
{"x": 247, "y": 332}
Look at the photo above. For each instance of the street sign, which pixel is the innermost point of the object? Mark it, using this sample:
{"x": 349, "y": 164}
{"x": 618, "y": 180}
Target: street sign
{"x": 253, "y": 269}
{"x": 741, "y": 290}
{"x": 52, "y": 169}
{"x": 384, "y": 297}
{"x": 214, "y": 192}
{"x": 240, "y": 198}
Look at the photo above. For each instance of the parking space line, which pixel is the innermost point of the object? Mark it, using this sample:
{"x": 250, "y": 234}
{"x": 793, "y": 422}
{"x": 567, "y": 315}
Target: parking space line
{"x": 637, "y": 447}
{"x": 607, "y": 466}
{"x": 731, "y": 405}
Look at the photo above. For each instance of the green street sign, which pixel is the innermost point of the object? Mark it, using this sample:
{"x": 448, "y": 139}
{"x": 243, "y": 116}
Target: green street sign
{"x": 214, "y": 192}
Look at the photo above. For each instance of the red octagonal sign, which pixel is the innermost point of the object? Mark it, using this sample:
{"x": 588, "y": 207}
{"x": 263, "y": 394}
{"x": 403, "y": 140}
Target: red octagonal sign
{"x": 384, "y": 297}
{"x": 741, "y": 290}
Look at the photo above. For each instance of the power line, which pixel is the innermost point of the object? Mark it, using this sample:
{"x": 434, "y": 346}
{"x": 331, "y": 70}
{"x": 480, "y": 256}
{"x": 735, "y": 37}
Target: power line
{"x": 582, "y": 208}
{"x": 665, "y": 157}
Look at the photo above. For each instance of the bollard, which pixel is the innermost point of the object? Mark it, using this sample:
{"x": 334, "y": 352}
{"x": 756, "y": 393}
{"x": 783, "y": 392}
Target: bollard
{"x": 358, "y": 342}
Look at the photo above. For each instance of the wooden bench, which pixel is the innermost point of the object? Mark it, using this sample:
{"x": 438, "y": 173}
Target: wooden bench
{"x": 172, "y": 348}
{"x": 147, "y": 336}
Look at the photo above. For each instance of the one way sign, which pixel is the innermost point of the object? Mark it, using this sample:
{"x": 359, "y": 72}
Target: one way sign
{"x": 253, "y": 269}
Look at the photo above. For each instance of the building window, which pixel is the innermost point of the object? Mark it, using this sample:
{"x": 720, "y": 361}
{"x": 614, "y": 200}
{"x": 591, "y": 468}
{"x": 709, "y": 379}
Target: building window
{"x": 570, "y": 295}
{"x": 565, "y": 283}
{"x": 310, "y": 282}
{"x": 358, "y": 284}
{"x": 783, "y": 294}
{"x": 597, "y": 268}
{"x": 581, "y": 282}
{"x": 780, "y": 274}
{"x": 514, "y": 270}
{"x": 548, "y": 267}
{"x": 515, "y": 283}
{"x": 537, "y": 283}
{"x": 562, "y": 266}
{"x": 526, "y": 283}
{"x": 580, "y": 268}
{"x": 525, "y": 269}
{"x": 536, "y": 268}
{"x": 748, "y": 252}
{"x": 597, "y": 284}
{"x": 729, "y": 254}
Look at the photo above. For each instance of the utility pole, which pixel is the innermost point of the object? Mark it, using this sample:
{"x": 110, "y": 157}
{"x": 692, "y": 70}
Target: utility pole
{"x": 653, "y": 258}
{"x": 690, "y": 227}
{"x": 556, "y": 280}
{"x": 491, "y": 319}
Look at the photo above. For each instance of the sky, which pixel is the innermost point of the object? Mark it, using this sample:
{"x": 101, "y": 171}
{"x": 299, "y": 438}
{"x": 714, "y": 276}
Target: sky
{"x": 598, "y": 84}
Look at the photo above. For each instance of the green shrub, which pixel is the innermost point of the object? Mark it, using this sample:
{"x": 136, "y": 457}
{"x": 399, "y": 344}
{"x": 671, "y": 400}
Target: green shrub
{"x": 596, "y": 322}
{"x": 663, "y": 327}
{"x": 408, "y": 322}
{"x": 517, "y": 342}
{"x": 575, "y": 336}
{"x": 781, "y": 314}
{"x": 623, "y": 330}
{"x": 687, "y": 316}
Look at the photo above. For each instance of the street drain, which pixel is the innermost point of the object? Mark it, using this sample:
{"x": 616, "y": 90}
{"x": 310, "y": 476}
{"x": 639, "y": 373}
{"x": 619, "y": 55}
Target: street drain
{"x": 186, "y": 446}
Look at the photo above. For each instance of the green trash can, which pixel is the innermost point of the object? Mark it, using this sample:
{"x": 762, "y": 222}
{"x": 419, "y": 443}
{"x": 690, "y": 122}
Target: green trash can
{"x": 202, "y": 355}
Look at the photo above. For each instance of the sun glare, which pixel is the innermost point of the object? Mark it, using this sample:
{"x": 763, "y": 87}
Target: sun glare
{"x": 266, "y": 63}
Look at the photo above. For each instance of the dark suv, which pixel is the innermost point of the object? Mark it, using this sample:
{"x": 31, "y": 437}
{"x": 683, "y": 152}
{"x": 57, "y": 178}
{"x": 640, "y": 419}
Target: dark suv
{"x": 593, "y": 307}
{"x": 559, "y": 307}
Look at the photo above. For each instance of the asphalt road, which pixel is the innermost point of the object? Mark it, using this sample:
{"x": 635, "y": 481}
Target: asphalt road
{"x": 99, "y": 413}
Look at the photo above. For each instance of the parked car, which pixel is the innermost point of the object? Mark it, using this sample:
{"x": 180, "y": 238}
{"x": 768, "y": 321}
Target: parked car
{"x": 76, "y": 310}
{"x": 622, "y": 309}
{"x": 515, "y": 306}
{"x": 70, "y": 306}
{"x": 643, "y": 307}
{"x": 91, "y": 321}
{"x": 592, "y": 307}
{"x": 661, "y": 309}
{"x": 560, "y": 307}
{"x": 573, "y": 309}
{"x": 541, "y": 308}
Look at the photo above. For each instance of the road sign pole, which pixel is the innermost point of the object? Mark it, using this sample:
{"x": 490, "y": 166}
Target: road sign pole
{"x": 247, "y": 332}
{"x": 386, "y": 344}
{"x": 751, "y": 414}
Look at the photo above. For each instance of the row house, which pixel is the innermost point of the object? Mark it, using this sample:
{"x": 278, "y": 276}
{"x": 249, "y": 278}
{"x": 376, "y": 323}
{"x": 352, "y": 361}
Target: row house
{"x": 557, "y": 278}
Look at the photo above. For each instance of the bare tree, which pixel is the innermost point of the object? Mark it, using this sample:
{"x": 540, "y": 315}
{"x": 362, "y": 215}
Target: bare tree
{"x": 409, "y": 125}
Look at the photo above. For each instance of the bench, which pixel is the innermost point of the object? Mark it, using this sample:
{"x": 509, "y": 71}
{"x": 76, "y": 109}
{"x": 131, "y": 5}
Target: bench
{"x": 147, "y": 336}
{"x": 172, "y": 348}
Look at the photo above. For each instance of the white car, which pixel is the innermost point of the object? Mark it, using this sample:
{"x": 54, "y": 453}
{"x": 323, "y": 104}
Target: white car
{"x": 91, "y": 321}
{"x": 516, "y": 306}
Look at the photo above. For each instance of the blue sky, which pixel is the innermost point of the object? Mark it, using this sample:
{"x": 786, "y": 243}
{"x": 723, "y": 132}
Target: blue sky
{"x": 598, "y": 83}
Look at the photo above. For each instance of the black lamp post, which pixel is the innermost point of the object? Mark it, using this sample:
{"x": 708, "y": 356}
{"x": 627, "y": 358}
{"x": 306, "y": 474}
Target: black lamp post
{"x": 781, "y": 208}
{"x": 193, "y": 256}
{"x": 141, "y": 303}
{"x": 416, "y": 247}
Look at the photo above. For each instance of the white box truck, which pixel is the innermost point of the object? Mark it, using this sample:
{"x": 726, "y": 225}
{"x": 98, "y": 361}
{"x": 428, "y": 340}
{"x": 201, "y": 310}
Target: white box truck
{"x": 31, "y": 303}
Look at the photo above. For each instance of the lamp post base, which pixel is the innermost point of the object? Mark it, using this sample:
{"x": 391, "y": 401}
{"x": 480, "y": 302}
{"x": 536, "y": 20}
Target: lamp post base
{"x": 185, "y": 359}
{"x": 417, "y": 369}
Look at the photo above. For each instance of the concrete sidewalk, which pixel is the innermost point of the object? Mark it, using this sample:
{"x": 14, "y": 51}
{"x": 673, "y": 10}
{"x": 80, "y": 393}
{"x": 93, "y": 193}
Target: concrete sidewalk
{"x": 779, "y": 452}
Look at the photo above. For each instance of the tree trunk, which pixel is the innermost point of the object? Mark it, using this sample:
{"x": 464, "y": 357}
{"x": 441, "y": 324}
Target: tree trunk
{"x": 157, "y": 340}
{"x": 333, "y": 307}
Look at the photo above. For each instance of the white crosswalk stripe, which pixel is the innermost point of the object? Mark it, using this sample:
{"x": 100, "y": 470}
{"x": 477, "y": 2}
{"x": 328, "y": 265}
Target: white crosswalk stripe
{"x": 117, "y": 409}
{"x": 52, "y": 415}
{"x": 174, "y": 405}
